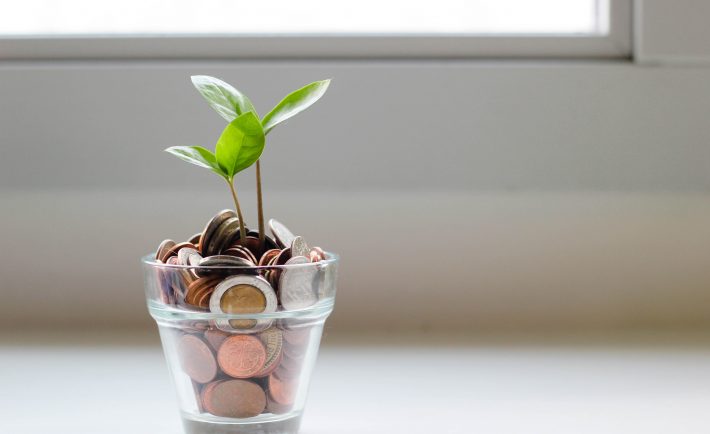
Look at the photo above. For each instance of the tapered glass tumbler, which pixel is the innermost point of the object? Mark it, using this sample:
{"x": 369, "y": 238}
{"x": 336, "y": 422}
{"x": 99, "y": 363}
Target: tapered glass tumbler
{"x": 241, "y": 342}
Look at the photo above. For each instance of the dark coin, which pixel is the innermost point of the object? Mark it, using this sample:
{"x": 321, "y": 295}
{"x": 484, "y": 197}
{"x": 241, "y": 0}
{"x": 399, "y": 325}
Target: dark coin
{"x": 223, "y": 236}
{"x": 212, "y": 226}
{"x": 221, "y": 265}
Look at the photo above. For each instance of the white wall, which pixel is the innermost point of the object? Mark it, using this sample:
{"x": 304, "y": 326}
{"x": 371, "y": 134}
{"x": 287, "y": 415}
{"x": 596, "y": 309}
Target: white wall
{"x": 461, "y": 194}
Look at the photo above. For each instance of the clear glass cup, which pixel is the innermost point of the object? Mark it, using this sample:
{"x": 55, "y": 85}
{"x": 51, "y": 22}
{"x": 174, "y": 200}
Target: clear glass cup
{"x": 243, "y": 371}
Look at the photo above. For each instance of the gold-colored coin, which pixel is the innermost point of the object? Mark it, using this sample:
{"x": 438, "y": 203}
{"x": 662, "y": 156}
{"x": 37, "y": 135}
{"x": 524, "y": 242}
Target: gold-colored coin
{"x": 243, "y": 299}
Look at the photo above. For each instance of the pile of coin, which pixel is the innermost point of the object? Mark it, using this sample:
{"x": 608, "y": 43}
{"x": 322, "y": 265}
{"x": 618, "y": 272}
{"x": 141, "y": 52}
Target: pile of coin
{"x": 242, "y": 367}
{"x": 244, "y": 375}
{"x": 224, "y": 280}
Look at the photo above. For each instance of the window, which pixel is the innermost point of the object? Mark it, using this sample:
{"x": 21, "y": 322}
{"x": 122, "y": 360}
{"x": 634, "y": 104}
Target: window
{"x": 315, "y": 28}
{"x": 76, "y": 17}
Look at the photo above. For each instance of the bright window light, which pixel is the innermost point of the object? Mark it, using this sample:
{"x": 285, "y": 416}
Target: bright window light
{"x": 344, "y": 17}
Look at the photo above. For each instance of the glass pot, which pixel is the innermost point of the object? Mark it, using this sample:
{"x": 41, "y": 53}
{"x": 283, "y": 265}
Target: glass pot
{"x": 241, "y": 342}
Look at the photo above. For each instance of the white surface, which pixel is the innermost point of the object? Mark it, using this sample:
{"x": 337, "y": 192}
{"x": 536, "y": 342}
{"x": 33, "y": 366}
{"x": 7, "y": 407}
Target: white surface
{"x": 639, "y": 384}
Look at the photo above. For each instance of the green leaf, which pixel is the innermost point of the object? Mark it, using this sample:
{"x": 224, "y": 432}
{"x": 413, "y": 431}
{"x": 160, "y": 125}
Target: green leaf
{"x": 240, "y": 144}
{"x": 225, "y": 99}
{"x": 294, "y": 103}
{"x": 198, "y": 156}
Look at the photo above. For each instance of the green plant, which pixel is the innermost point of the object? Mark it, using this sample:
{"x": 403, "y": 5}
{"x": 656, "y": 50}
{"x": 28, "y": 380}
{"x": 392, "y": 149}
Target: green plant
{"x": 243, "y": 139}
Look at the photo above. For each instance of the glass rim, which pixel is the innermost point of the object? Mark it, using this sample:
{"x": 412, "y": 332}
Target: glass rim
{"x": 164, "y": 312}
{"x": 150, "y": 261}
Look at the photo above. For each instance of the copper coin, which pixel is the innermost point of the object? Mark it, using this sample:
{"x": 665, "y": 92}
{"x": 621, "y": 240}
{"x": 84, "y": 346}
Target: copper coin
{"x": 206, "y": 394}
{"x": 320, "y": 252}
{"x": 195, "y": 239}
{"x": 211, "y": 227}
{"x": 196, "y": 359}
{"x": 198, "y": 288}
{"x": 234, "y": 398}
{"x": 173, "y": 251}
{"x": 268, "y": 256}
{"x": 273, "y": 342}
{"x": 203, "y": 300}
{"x": 163, "y": 248}
{"x": 283, "y": 392}
{"x": 241, "y": 356}
{"x": 269, "y": 242}
{"x": 241, "y": 252}
{"x": 276, "y": 408}
{"x": 215, "y": 338}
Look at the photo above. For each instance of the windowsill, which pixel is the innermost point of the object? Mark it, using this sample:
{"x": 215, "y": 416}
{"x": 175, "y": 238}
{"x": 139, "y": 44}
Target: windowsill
{"x": 389, "y": 383}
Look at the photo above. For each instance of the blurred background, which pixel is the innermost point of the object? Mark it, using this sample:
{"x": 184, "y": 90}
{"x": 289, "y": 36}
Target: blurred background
{"x": 484, "y": 168}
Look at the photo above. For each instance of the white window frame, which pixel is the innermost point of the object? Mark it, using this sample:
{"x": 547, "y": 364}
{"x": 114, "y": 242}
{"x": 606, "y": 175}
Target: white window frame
{"x": 615, "y": 44}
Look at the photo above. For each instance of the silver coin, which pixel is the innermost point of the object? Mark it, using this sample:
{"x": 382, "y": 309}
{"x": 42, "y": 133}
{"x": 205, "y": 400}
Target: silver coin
{"x": 283, "y": 236}
{"x": 299, "y": 247}
{"x": 184, "y": 255}
{"x": 194, "y": 260}
{"x": 296, "y": 284}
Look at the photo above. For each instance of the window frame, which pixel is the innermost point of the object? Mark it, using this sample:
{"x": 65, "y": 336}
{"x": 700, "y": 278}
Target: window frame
{"x": 615, "y": 44}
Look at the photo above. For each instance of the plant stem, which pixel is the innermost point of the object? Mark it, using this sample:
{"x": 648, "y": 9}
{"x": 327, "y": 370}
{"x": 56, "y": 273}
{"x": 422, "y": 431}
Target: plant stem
{"x": 260, "y": 205}
{"x": 242, "y": 230}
